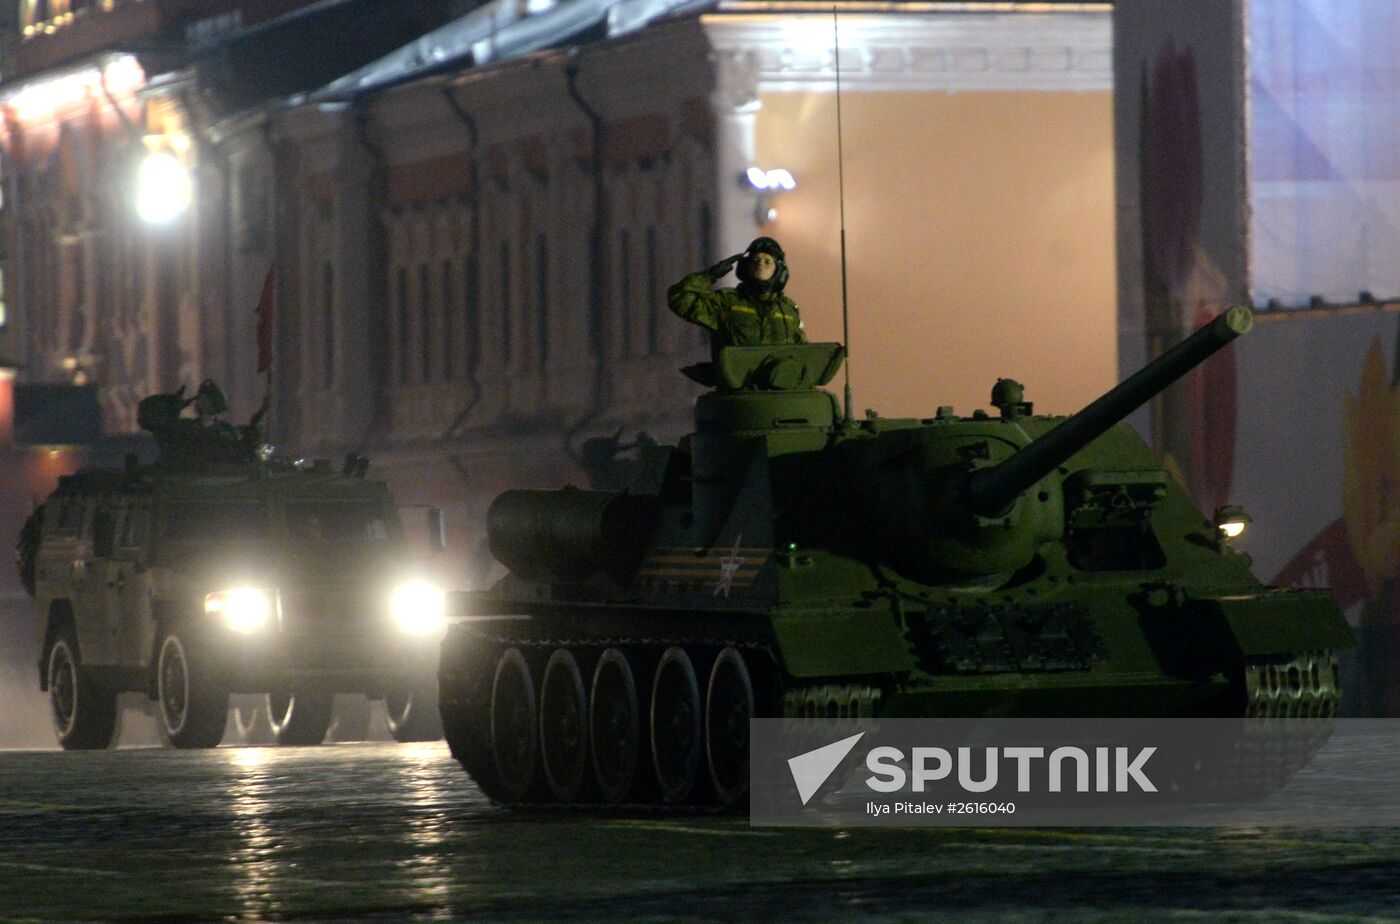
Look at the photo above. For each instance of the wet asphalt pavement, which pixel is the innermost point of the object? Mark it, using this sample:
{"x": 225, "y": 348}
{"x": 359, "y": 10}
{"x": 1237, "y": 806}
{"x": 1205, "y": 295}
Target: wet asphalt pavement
{"x": 382, "y": 831}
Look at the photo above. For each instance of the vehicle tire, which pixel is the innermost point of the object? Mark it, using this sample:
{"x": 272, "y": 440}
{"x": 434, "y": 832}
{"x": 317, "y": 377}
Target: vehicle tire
{"x": 191, "y": 699}
{"x": 514, "y": 726}
{"x": 563, "y": 726}
{"x": 84, "y": 713}
{"x": 677, "y": 731}
{"x": 413, "y": 714}
{"x": 729, "y": 705}
{"x": 299, "y": 718}
{"x": 614, "y": 727}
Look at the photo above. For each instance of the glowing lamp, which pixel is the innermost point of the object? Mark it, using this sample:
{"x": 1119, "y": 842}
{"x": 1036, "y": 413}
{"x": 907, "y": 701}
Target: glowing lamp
{"x": 765, "y": 184}
{"x": 418, "y": 607}
{"x": 1230, "y": 522}
{"x": 163, "y": 188}
{"x": 242, "y": 609}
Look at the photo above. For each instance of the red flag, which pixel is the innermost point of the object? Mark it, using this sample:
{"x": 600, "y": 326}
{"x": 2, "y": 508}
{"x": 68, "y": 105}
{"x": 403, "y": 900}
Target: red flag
{"x": 269, "y": 292}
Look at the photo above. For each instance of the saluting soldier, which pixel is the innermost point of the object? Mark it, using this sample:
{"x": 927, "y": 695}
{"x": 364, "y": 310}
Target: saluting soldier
{"x": 755, "y": 313}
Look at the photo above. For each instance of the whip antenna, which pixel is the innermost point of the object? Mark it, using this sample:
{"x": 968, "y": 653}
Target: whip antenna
{"x": 841, "y": 198}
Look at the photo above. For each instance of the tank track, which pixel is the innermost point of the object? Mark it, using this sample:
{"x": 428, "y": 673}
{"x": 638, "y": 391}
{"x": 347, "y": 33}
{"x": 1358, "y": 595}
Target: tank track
{"x": 1298, "y": 686}
{"x": 1305, "y": 686}
{"x": 468, "y": 680}
{"x": 832, "y": 701}
{"x": 1267, "y": 753}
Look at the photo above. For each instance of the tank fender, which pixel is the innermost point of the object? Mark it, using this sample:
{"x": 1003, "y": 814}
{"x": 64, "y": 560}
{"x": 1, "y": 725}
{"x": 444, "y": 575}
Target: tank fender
{"x": 1278, "y": 621}
{"x": 829, "y": 642}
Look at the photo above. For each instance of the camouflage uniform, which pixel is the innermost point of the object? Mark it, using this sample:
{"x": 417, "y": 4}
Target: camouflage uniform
{"x": 753, "y": 314}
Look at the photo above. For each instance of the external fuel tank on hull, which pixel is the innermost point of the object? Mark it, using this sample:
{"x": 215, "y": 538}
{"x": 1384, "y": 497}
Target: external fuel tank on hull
{"x": 784, "y": 561}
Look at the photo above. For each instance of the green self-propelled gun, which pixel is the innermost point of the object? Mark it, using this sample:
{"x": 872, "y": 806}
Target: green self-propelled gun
{"x": 782, "y": 561}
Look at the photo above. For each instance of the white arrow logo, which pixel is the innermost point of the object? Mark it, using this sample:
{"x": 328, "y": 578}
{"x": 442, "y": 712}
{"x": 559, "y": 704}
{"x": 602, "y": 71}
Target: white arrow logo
{"x": 810, "y": 770}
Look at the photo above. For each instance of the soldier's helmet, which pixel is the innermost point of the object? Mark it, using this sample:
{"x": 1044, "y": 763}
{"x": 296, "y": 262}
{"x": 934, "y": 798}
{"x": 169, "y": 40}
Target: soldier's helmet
{"x": 209, "y": 400}
{"x": 779, "y": 279}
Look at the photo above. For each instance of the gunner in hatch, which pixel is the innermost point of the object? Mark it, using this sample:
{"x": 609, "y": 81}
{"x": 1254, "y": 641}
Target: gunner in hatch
{"x": 755, "y": 313}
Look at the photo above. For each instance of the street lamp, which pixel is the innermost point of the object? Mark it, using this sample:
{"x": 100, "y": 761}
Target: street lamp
{"x": 163, "y": 188}
{"x": 765, "y": 185}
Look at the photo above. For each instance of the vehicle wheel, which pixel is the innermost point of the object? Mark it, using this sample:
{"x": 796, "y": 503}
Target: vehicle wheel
{"x": 514, "y": 742}
{"x": 193, "y": 704}
{"x": 614, "y": 726}
{"x": 299, "y": 718}
{"x": 349, "y": 718}
{"x": 84, "y": 714}
{"x": 413, "y": 715}
{"x": 729, "y": 705}
{"x": 677, "y": 734}
{"x": 563, "y": 726}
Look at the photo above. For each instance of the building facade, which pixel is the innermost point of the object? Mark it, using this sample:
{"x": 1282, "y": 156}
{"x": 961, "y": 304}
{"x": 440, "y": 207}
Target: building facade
{"x": 472, "y": 252}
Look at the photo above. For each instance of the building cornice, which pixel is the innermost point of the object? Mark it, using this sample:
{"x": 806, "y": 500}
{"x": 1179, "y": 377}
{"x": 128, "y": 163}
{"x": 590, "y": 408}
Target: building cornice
{"x": 899, "y": 51}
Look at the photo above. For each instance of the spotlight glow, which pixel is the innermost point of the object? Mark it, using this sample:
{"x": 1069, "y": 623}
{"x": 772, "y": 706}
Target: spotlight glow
{"x": 418, "y": 607}
{"x": 243, "y": 609}
{"x": 163, "y": 188}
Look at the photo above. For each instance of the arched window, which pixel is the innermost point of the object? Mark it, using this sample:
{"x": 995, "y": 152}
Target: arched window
{"x": 542, "y": 297}
{"x": 653, "y": 289}
{"x": 449, "y": 303}
{"x": 327, "y": 324}
{"x": 402, "y": 280}
{"x": 425, "y": 323}
{"x": 506, "y": 345}
{"x": 624, "y": 287}
{"x": 471, "y": 298}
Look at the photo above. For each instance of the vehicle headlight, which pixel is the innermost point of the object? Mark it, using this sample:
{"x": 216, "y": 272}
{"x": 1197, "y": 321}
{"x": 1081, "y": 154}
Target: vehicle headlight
{"x": 418, "y": 607}
{"x": 243, "y": 609}
{"x": 1230, "y": 522}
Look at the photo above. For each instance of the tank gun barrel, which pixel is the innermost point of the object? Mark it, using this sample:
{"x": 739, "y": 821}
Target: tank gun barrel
{"x": 990, "y": 490}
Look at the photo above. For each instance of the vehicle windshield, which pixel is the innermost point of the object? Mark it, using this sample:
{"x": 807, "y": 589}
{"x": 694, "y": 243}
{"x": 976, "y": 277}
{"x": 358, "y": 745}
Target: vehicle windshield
{"x": 203, "y": 521}
{"x": 325, "y": 523}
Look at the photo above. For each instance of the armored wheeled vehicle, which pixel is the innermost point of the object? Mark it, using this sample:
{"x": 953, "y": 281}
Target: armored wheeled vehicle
{"x": 786, "y": 561}
{"x": 220, "y": 569}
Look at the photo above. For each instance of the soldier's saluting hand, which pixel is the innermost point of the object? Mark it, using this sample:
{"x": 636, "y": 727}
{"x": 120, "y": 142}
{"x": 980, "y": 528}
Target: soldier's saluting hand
{"x": 722, "y": 268}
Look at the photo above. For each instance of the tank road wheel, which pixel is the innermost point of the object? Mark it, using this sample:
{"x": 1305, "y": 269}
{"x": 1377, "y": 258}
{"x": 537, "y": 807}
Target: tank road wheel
{"x": 677, "y": 733}
{"x": 729, "y": 705}
{"x": 300, "y": 718}
{"x": 192, "y": 703}
{"x": 413, "y": 714}
{"x": 563, "y": 726}
{"x": 84, "y": 714}
{"x": 514, "y": 725}
{"x": 465, "y": 675}
{"x": 614, "y": 726}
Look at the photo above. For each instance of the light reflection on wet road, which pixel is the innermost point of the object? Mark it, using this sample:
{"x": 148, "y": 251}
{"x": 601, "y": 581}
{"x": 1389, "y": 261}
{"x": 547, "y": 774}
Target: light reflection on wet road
{"x": 387, "y": 831}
